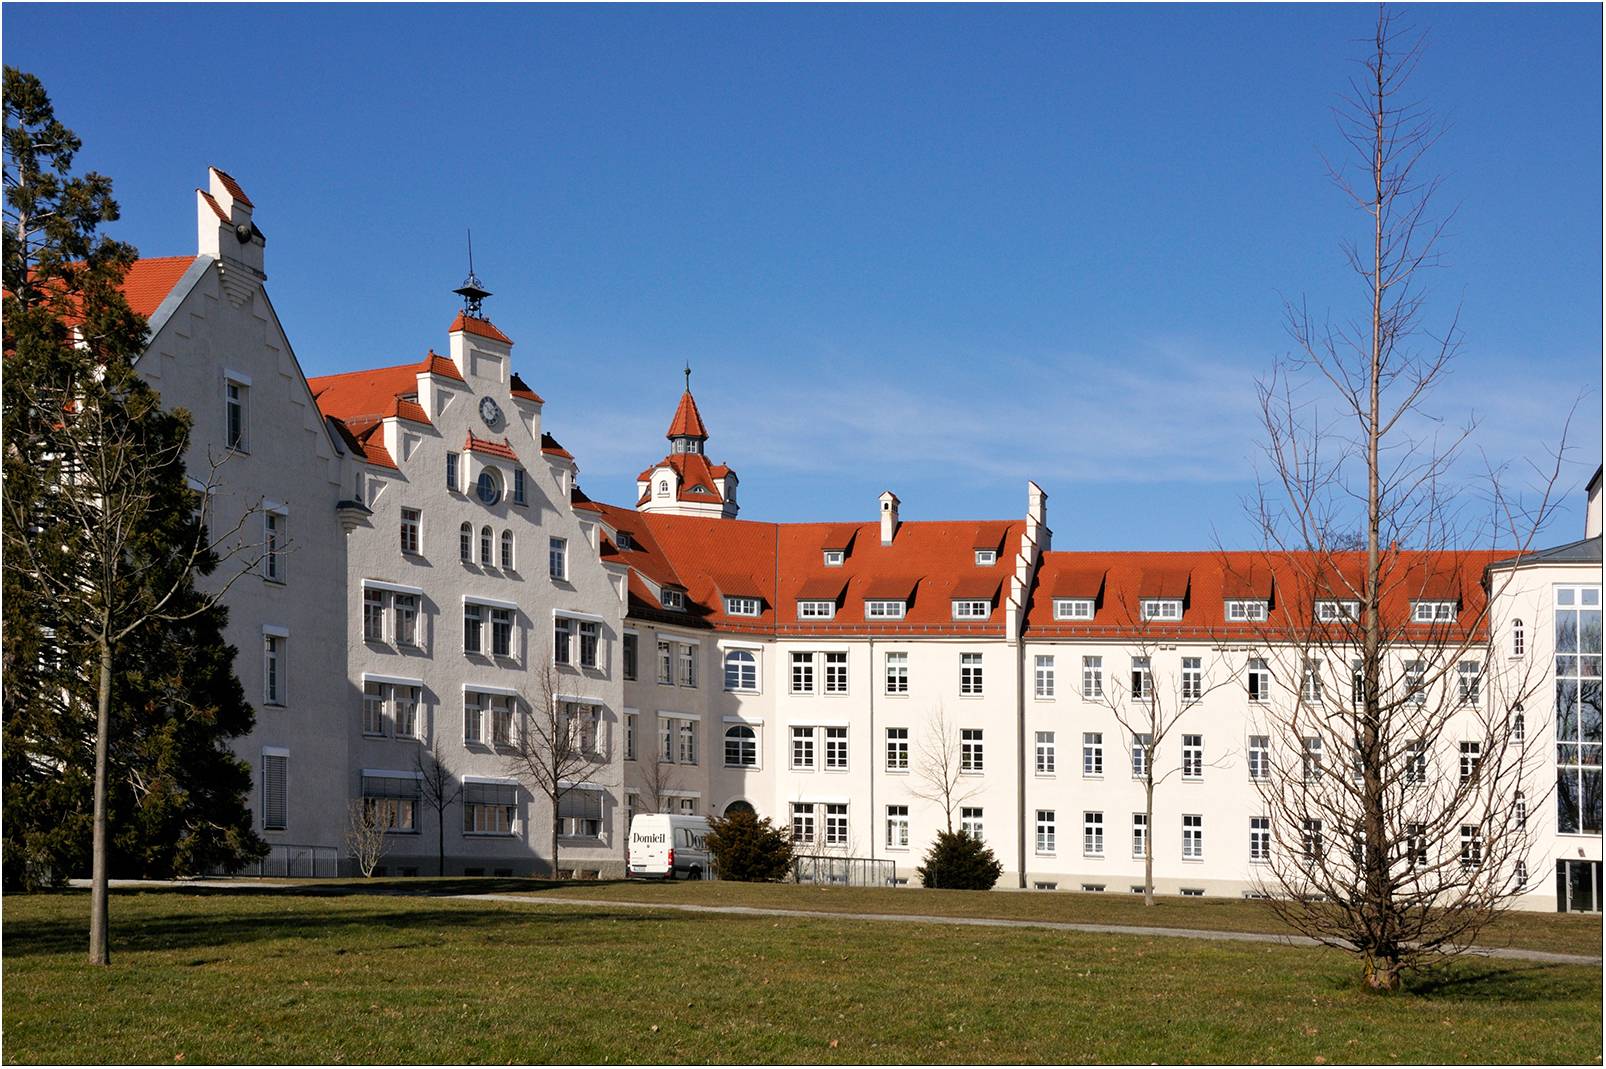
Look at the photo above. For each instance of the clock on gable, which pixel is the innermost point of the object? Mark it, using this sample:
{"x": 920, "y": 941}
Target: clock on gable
{"x": 490, "y": 411}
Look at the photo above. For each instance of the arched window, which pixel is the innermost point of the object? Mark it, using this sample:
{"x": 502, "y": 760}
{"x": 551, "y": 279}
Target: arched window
{"x": 741, "y": 747}
{"x": 1519, "y": 639}
{"x": 741, "y": 671}
{"x": 663, "y": 487}
{"x": 485, "y": 546}
{"x": 739, "y": 806}
{"x": 465, "y": 542}
{"x": 507, "y": 551}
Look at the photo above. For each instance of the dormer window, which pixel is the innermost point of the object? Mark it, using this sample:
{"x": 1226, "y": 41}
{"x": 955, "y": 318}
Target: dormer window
{"x": 672, "y": 599}
{"x": 1073, "y": 608}
{"x": 972, "y": 609}
{"x": 834, "y": 558}
{"x": 1328, "y": 612}
{"x": 741, "y": 606}
{"x": 1432, "y": 612}
{"x": 882, "y": 609}
{"x": 1161, "y": 609}
{"x": 624, "y": 541}
{"x": 1246, "y": 611}
{"x": 663, "y": 487}
{"x": 816, "y": 610}
{"x": 986, "y": 557}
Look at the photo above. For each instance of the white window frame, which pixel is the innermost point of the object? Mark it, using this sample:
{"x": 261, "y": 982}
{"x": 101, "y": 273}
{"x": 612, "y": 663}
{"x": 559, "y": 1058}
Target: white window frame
{"x": 1092, "y": 833}
{"x": 833, "y": 558}
{"x": 972, "y": 751}
{"x": 897, "y": 749}
{"x": 1162, "y": 609}
{"x": 743, "y": 606}
{"x": 745, "y": 662}
{"x": 972, "y": 608}
{"x": 1192, "y": 837}
{"x": 1193, "y": 757}
{"x": 1073, "y": 608}
{"x": 986, "y": 558}
{"x": 1093, "y": 754}
{"x": 895, "y": 673}
{"x": 1333, "y": 611}
{"x": 1433, "y": 612}
{"x": 884, "y": 609}
{"x": 1046, "y": 839}
{"x": 1043, "y": 676}
{"x": 816, "y": 609}
{"x": 1247, "y": 610}
{"x": 1044, "y": 753}
{"x": 971, "y": 680}
{"x": 897, "y": 827}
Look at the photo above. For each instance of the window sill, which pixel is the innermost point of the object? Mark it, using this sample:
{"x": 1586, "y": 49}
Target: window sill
{"x": 1092, "y": 857}
{"x": 272, "y": 581}
{"x": 490, "y": 835}
{"x": 1043, "y": 698}
{"x": 1193, "y": 861}
{"x": 1043, "y": 775}
{"x": 897, "y": 771}
{"x": 1092, "y": 775}
{"x": 895, "y": 694}
{"x": 743, "y": 768}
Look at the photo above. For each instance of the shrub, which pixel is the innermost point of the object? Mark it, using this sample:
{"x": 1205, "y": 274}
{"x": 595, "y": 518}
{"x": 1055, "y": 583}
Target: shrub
{"x": 749, "y": 849}
{"x": 959, "y": 861}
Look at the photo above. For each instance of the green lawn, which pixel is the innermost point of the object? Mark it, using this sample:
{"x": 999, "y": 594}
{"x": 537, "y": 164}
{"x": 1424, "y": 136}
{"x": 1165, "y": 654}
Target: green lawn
{"x": 286, "y": 977}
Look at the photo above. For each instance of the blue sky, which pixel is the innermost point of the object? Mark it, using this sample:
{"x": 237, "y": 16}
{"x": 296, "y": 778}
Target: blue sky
{"x": 941, "y": 250}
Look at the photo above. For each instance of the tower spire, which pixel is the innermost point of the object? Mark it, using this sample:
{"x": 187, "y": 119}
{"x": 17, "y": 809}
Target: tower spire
{"x": 472, "y": 292}
{"x": 688, "y": 376}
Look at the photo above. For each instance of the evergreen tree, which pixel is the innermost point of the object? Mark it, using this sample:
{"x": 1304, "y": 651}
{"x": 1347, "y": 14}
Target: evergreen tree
{"x": 119, "y": 692}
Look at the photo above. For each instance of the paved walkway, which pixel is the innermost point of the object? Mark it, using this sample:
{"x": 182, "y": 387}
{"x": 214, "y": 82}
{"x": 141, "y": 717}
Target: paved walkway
{"x": 1510, "y": 953}
{"x": 536, "y": 899}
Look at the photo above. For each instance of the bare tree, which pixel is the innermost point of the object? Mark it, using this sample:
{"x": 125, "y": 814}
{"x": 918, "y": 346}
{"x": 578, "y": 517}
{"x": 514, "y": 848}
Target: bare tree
{"x": 1150, "y": 709}
{"x": 940, "y": 773}
{"x": 438, "y": 790}
{"x": 367, "y": 833}
{"x": 660, "y": 779}
{"x": 1381, "y": 653}
{"x": 560, "y": 746}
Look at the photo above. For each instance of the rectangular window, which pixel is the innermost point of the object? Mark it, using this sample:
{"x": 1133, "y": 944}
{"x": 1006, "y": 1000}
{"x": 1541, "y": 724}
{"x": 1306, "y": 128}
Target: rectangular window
{"x": 666, "y": 742}
{"x": 1259, "y": 838}
{"x": 1577, "y": 719}
{"x": 392, "y": 802}
{"x": 557, "y": 558}
{"x": 489, "y": 808}
{"x": 1416, "y": 682}
{"x": 1333, "y": 611}
{"x": 833, "y": 558}
{"x": 666, "y": 664}
{"x": 688, "y": 665}
{"x": 630, "y": 736}
{"x": 473, "y": 710}
{"x": 234, "y": 416}
{"x": 1193, "y": 757}
{"x": 897, "y": 749}
{"x": 1142, "y": 743}
{"x": 1471, "y": 754}
{"x": 412, "y": 522}
{"x": 898, "y": 827}
{"x": 452, "y": 468}
{"x": 970, "y": 821}
{"x": 373, "y": 709}
{"x": 562, "y": 640}
{"x": 273, "y": 687}
{"x": 836, "y": 824}
{"x": 1092, "y": 677}
{"x": 1092, "y": 753}
{"x": 1140, "y": 836}
{"x": 971, "y": 609}
{"x": 970, "y": 681}
{"x": 580, "y": 812}
{"x": 1311, "y": 758}
{"x": 590, "y": 641}
{"x": 501, "y": 707}
{"x": 897, "y": 673}
{"x": 1259, "y": 757}
{"x": 406, "y": 610}
{"x": 1192, "y": 679}
{"x": 884, "y": 610}
{"x": 405, "y": 702}
{"x": 1311, "y": 841}
{"x": 630, "y": 647}
{"x": 686, "y": 737}
{"x": 502, "y": 632}
{"x": 1246, "y": 611}
{"x": 802, "y": 748}
{"x": 275, "y": 791}
{"x": 742, "y": 606}
{"x": 273, "y": 526}
{"x": 802, "y": 822}
{"x": 1161, "y": 609}
{"x": 373, "y": 616}
{"x": 970, "y": 750}
{"x": 1468, "y": 681}
{"x": 1045, "y": 753}
{"x": 1433, "y": 612}
{"x": 1093, "y": 834}
{"x": 802, "y": 673}
{"x": 1192, "y": 837}
{"x": 836, "y": 748}
{"x": 1044, "y": 676}
{"x": 518, "y": 488}
{"x": 986, "y": 557}
{"x": 836, "y": 673}
{"x": 473, "y": 625}
{"x": 1073, "y": 608}
{"x": 1416, "y": 762}
{"x": 1142, "y": 678}
{"x": 1046, "y": 831}
{"x": 1311, "y": 686}
{"x": 1259, "y": 679}
{"x": 1416, "y": 844}
{"x": 816, "y": 610}
{"x": 672, "y": 599}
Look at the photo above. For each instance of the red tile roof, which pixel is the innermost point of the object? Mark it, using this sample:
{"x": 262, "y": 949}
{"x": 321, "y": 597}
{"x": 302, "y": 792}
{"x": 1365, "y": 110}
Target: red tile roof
{"x": 521, "y": 390}
{"x": 217, "y": 209}
{"x": 232, "y": 186}
{"x": 697, "y": 477}
{"x": 490, "y": 446}
{"x": 688, "y": 422}
{"x": 475, "y": 325}
{"x": 366, "y": 440}
{"x": 436, "y": 364}
{"x": 372, "y": 394}
{"x": 149, "y": 281}
{"x": 550, "y": 446}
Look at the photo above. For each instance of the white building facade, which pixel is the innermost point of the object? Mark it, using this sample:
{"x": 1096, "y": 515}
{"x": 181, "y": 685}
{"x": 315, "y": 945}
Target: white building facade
{"x": 446, "y": 568}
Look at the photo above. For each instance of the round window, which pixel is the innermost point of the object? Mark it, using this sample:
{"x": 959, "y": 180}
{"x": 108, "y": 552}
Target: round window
{"x": 490, "y": 487}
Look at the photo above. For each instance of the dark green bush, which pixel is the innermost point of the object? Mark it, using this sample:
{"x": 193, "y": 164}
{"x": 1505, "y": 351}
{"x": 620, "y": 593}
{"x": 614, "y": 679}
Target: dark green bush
{"x": 749, "y": 849}
{"x": 961, "y": 862}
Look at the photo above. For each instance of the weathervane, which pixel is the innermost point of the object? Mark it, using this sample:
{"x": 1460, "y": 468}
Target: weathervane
{"x": 471, "y": 291}
{"x": 688, "y": 376}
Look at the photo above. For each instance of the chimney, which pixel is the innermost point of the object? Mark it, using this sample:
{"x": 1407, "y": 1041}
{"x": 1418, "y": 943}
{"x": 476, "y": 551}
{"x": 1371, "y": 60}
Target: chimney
{"x": 889, "y": 516}
{"x": 226, "y": 233}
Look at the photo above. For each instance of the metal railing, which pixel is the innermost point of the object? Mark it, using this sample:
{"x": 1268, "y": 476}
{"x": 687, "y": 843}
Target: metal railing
{"x": 843, "y": 871}
{"x": 292, "y": 860}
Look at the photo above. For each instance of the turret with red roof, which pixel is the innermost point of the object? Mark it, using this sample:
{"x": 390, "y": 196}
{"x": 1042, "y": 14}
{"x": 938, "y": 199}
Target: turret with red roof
{"x": 684, "y": 483}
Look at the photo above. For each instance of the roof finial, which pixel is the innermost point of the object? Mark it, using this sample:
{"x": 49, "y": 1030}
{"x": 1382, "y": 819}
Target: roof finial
{"x": 471, "y": 291}
{"x": 688, "y": 376}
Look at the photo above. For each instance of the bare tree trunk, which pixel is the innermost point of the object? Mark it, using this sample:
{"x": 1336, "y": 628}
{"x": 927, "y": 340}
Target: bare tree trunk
{"x": 99, "y": 894}
{"x": 1148, "y": 829}
{"x": 440, "y": 843}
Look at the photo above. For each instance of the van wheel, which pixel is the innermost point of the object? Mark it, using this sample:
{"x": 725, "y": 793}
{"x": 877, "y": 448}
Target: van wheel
{"x": 695, "y": 874}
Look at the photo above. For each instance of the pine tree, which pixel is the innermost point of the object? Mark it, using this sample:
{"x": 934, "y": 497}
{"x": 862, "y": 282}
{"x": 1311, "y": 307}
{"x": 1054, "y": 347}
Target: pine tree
{"x": 119, "y": 692}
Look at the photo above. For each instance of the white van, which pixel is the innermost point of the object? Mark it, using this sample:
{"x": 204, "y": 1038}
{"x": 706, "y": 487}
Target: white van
{"x": 664, "y": 845}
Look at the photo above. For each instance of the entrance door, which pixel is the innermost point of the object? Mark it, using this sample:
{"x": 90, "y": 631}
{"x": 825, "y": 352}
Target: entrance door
{"x": 1578, "y": 887}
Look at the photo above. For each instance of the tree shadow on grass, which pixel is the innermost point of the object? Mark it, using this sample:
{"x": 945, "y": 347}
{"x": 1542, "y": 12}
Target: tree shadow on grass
{"x": 369, "y": 929}
{"x": 1485, "y": 980}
